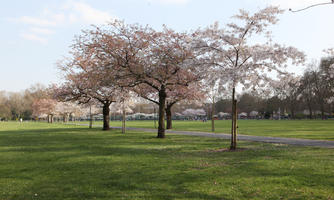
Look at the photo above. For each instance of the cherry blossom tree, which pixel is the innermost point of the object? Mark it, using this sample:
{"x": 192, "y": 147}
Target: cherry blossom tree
{"x": 87, "y": 78}
{"x": 45, "y": 107}
{"x": 66, "y": 109}
{"x": 234, "y": 53}
{"x": 148, "y": 61}
{"x": 83, "y": 88}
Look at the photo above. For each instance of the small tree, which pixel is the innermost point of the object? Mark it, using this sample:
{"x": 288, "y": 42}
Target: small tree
{"x": 238, "y": 60}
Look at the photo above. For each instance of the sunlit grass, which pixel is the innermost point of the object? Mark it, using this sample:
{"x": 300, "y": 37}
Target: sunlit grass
{"x": 307, "y": 129}
{"x": 43, "y": 161}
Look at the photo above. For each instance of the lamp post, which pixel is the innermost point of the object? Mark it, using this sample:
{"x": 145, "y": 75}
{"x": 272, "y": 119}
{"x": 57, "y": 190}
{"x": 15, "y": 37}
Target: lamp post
{"x": 314, "y": 5}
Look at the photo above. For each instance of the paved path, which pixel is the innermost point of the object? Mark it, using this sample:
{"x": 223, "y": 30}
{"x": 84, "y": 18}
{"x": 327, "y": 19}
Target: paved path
{"x": 279, "y": 140}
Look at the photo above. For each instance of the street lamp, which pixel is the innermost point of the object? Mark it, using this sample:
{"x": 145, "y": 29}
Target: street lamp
{"x": 314, "y": 5}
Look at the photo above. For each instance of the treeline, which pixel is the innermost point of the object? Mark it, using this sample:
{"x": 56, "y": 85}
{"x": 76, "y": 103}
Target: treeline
{"x": 17, "y": 105}
{"x": 307, "y": 96}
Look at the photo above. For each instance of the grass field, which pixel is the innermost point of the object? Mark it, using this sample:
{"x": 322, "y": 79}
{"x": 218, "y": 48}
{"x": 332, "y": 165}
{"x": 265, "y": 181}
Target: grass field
{"x": 307, "y": 129}
{"x": 43, "y": 161}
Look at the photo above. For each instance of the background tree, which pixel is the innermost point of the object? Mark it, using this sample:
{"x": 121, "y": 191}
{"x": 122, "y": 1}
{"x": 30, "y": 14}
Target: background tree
{"x": 307, "y": 88}
{"x": 45, "y": 107}
{"x": 287, "y": 88}
{"x": 5, "y": 111}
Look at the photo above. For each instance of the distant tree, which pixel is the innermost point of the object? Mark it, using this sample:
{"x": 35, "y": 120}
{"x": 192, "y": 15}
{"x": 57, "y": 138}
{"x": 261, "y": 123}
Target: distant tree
{"x": 287, "y": 88}
{"x": 307, "y": 88}
{"x": 34, "y": 92}
{"x": 5, "y": 111}
{"x": 45, "y": 107}
{"x": 248, "y": 103}
{"x": 16, "y": 105}
{"x": 67, "y": 109}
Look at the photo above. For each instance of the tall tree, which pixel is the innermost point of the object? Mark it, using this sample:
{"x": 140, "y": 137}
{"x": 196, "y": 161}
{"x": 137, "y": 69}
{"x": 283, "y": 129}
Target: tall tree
{"x": 233, "y": 54}
{"x": 150, "y": 60}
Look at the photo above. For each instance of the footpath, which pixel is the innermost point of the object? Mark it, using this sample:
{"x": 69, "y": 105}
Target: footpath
{"x": 277, "y": 140}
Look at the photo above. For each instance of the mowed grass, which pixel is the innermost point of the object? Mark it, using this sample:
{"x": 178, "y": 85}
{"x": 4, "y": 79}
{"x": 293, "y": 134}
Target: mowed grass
{"x": 305, "y": 129}
{"x": 43, "y": 161}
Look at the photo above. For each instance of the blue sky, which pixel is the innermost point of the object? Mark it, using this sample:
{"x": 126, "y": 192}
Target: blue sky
{"x": 35, "y": 34}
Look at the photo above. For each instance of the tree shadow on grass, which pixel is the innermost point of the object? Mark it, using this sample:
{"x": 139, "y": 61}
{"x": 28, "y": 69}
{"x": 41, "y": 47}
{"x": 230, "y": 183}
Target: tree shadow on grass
{"x": 83, "y": 163}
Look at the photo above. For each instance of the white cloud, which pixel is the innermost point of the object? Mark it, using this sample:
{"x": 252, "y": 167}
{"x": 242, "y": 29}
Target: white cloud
{"x": 178, "y": 2}
{"x": 88, "y": 14}
{"x": 35, "y": 21}
{"x": 43, "y": 31}
{"x": 33, "y": 37}
{"x": 68, "y": 13}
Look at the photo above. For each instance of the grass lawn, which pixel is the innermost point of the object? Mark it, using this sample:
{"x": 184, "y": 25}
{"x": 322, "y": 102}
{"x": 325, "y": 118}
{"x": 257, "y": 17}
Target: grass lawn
{"x": 306, "y": 129}
{"x": 43, "y": 161}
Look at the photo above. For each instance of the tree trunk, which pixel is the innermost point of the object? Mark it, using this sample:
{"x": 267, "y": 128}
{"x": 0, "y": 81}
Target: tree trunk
{"x": 234, "y": 122}
{"x": 162, "y": 104}
{"x": 90, "y": 117}
{"x": 48, "y": 118}
{"x": 310, "y": 110}
{"x": 293, "y": 114}
{"x": 169, "y": 117}
{"x": 154, "y": 117}
{"x": 235, "y": 125}
{"x": 106, "y": 116}
{"x": 51, "y": 119}
{"x": 322, "y": 107}
{"x": 123, "y": 119}
{"x": 212, "y": 115}
{"x": 90, "y": 121}
{"x": 64, "y": 118}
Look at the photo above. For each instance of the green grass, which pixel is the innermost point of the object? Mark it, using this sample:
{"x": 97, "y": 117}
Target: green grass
{"x": 306, "y": 129}
{"x": 42, "y": 161}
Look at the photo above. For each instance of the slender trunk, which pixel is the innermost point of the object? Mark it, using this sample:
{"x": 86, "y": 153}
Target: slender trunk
{"x": 90, "y": 117}
{"x": 322, "y": 107}
{"x": 234, "y": 122}
{"x": 106, "y": 116}
{"x": 123, "y": 118}
{"x": 310, "y": 110}
{"x": 232, "y": 118}
{"x": 292, "y": 113}
{"x": 90, "y": 121}
{"x": 162, "y": 104}
{"x": 48, "y": 118}
{"x": 51, "y": 119}
{"x": 235, "y": 125}
{"x": 169, "y": 117}
{"x": 212, "y": 115}
{"x": 154, "y": 117}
